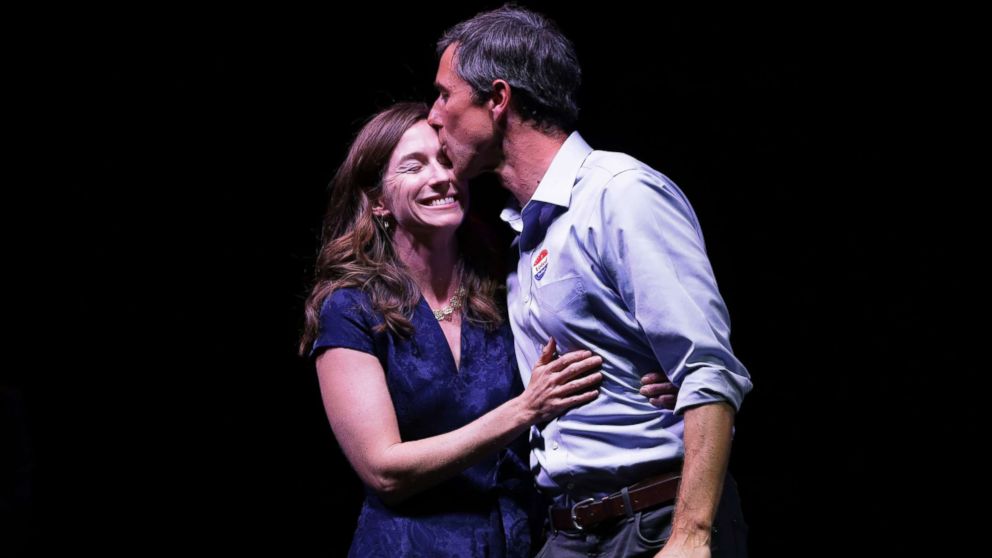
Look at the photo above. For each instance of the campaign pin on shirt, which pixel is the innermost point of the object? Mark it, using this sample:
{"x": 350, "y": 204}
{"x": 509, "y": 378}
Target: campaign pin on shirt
{"x": 541, "y": 264}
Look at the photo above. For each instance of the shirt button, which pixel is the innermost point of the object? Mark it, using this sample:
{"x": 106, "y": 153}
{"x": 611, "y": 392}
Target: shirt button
{"x": 554, "y": 445}
{"x": 526, "y": 299}
{"x": 570, "y": 486}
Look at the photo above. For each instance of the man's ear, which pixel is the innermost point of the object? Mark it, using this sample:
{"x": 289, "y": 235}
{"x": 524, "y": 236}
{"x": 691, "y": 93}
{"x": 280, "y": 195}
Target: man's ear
{"x": 499, "y": 99}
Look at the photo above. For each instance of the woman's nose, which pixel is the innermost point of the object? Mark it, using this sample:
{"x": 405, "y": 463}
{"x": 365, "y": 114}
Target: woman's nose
{"x": 442, "y": 173}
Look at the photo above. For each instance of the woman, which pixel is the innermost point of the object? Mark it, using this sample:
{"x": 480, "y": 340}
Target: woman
{"x": 415, "y": 360}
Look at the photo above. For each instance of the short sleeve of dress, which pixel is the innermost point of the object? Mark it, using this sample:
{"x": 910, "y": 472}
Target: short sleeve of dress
{"x": 346, "y": 321}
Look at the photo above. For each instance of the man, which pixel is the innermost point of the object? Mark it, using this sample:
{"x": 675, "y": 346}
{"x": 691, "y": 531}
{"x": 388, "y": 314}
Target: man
{"x": 611, "y": 259}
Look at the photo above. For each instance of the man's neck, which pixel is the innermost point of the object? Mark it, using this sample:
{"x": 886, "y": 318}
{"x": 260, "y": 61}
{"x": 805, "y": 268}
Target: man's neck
{"x": 528, "y": 153}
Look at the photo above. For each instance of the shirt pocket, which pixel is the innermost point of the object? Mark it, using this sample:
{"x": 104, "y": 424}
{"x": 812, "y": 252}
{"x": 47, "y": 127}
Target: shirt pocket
{"x": 557, "y": 295}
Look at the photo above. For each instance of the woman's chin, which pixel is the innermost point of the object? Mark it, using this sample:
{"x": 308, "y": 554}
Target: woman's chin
{"x": 437, "y": 224}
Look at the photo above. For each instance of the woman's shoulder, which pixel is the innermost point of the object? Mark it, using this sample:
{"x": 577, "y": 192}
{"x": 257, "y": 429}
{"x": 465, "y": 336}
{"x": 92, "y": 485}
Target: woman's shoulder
{"x": 348, "y": 294}
{"x": 347, "y": 321}
{"x": 348, "y": 301}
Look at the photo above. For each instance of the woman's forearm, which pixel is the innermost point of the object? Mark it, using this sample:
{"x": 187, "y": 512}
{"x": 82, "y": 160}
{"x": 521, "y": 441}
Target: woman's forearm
{"x": 406, "y": 468}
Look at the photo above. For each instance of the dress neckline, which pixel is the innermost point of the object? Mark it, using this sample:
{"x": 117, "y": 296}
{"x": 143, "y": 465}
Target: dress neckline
{"x": 436, "y": 326}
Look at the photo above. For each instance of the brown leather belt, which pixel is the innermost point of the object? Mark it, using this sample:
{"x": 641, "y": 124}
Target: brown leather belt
{"x": 636, "y": 497}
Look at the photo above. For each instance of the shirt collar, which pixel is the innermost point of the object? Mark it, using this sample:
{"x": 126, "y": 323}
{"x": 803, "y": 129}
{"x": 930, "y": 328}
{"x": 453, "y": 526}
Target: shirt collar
{"x": 556, "y": 185}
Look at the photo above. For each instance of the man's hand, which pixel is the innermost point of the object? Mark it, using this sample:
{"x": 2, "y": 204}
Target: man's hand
{"x": 686, "y": 548}
{"x": 659, "y": 390}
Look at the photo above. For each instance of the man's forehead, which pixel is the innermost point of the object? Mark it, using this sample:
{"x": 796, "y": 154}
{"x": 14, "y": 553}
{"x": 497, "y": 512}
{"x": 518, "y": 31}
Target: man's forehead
{"x": 446, "y": 76}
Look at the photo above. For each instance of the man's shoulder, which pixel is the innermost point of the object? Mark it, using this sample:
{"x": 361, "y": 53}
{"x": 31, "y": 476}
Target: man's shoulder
{"x": 622, "y": 173}
{"x": 612, "y": 163}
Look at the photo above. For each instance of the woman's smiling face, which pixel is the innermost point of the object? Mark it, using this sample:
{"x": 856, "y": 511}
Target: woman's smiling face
{"x": 419, "y": 188}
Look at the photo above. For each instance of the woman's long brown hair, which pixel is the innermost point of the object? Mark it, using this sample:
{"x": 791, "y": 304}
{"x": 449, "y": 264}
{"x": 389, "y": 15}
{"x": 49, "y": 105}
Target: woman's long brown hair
{"x": 356, "y": 249}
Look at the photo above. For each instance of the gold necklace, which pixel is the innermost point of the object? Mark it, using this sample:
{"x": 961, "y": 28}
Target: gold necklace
{"x": 453, "y": 304}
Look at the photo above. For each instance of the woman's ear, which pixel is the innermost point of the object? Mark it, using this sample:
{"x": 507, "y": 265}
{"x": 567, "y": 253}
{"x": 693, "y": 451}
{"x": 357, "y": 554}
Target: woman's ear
{"x": 380, "y": 214}
{"x": 379, "y": 209}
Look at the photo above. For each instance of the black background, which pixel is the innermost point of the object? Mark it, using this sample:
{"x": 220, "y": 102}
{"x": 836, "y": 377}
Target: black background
{"x": 183, "y": 164}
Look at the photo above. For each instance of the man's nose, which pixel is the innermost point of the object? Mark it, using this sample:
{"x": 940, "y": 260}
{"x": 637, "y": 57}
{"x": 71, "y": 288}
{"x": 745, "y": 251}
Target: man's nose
{"x": 433, "y": 117}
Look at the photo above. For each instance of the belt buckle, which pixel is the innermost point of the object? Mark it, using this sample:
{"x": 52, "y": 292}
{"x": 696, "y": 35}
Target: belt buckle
{"x": 575, "y": 520}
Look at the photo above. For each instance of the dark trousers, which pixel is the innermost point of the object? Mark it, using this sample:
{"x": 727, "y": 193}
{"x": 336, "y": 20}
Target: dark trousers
{"x": 645, "y": 533}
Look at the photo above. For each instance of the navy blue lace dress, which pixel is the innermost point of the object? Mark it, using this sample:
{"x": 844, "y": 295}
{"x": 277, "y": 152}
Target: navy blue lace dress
{"x": 483, "y": 511}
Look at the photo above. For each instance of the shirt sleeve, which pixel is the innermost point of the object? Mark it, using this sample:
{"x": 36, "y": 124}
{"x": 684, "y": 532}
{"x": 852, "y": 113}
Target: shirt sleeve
{"x": 345, "y": 322}
{"x": 653, "y": 252}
